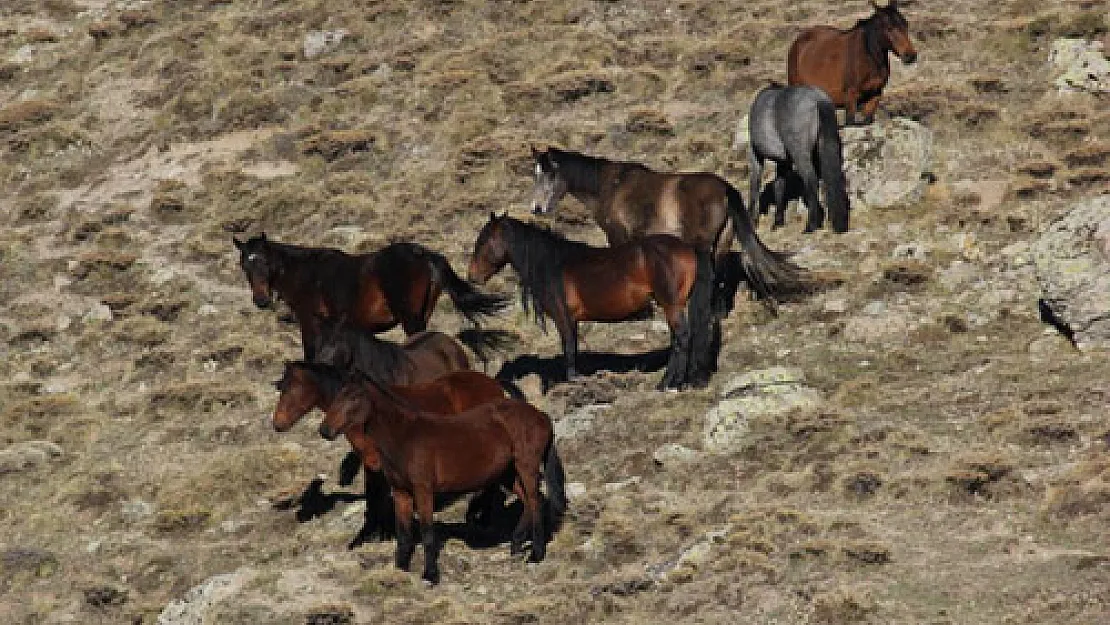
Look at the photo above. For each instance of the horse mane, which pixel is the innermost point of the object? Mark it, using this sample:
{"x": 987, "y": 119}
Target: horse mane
{"x": 372, "y": 357}
{"x": 875, "y": 43}
{"x": 537, "y": 253}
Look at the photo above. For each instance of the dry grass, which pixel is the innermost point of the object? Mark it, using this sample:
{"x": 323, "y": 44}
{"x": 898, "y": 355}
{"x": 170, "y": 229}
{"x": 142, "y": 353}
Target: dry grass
{"x": 953, "y": 473}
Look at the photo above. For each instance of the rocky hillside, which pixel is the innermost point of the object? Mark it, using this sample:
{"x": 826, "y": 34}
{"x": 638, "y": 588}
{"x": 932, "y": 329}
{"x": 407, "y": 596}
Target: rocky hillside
{"x": 915, "y": 445}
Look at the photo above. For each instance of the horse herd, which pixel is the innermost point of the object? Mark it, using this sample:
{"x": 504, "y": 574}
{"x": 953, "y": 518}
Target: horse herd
{"x": 421, "y": 422}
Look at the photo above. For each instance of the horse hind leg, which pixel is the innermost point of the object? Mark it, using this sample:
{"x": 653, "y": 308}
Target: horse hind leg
{"x": 755, "y": 181}
{"x": 868, "y": 108}
{"x": 406, "y": 543}
{"x": 816, "y": 218}
{"x": 675, "y": 375}
{"x": 779, "y": 188}
{"x": 425, "y": 508}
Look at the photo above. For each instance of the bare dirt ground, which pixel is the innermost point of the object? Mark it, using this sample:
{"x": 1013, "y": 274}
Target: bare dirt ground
{"x": 955, "y": 471}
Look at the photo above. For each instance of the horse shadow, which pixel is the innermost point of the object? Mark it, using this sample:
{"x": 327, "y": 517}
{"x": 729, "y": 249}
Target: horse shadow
{"x": 490, "y": 522}
{"x": 552, "y": 370}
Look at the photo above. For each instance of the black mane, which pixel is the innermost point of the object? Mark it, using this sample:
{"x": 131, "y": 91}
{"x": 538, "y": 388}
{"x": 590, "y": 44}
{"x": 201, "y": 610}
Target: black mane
{"x": 581, "y": 171}
{"x": 356, "y": 350}
{"x": 537, "y": 254}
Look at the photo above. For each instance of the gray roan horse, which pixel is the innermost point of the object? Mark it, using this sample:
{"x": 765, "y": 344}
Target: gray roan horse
{"x": 629, "y": 201}
{"x": 796, "y": 127}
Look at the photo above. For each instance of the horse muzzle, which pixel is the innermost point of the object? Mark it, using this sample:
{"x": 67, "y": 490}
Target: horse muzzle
{"x": 263, "y": 301}
{"x": 909, "y": 58}
{"x": 326, "y": 433}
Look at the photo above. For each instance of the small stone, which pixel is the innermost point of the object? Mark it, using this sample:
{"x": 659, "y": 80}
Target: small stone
{"x": 207, "y": 310}
{"x": 321, "y": 41}
{"x": 575, "y": 490}
{"x": 98, "y": 313}
{"x": 835, "y": 306}
{"x": 672, "y": 454}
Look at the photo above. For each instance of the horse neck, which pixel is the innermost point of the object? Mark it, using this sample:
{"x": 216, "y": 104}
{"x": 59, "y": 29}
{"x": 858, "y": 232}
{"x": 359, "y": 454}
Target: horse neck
{"x": 386, "y": 419}
{"x": 582, "y": 174}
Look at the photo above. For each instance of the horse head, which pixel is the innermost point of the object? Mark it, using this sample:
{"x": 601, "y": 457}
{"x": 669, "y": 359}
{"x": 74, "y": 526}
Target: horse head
{"x": 895, "y": 29}
{"x": 347, "y": 408}
{"x": 550, "y": 185}
{"x": 491, "y": 250}
{"x": 259, "y": 266}
{"x": 302, "y": 389}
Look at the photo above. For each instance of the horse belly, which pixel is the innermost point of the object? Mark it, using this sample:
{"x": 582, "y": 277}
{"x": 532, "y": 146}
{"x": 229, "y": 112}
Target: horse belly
{"x": 599, "y": 293}
{"x": 470, "y": 461}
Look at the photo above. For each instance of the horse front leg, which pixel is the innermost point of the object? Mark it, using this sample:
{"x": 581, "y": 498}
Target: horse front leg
{"x": 851, "y": 103}
{"x": 568, "y": 334}
{"x": 530, "y": 485}
{"x": 870, "y": 105}
{"x": 406, "y": 542}
{"x": 520, "y": 532}
{"x": 425, "y": 508}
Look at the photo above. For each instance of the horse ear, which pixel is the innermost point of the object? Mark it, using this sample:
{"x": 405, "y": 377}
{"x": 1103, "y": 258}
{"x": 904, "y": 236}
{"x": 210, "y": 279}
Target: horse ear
{"x": 237, "y": 242}
{"x": 492, "y": 217}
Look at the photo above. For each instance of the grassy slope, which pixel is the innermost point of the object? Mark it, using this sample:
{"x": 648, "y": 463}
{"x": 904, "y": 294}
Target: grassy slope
{"x": 130, "y": 160}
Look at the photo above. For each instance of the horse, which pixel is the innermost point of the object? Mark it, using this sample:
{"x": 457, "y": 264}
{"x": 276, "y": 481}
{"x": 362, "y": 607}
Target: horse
{"x": 795, "y": 126}
{"x": 423, "y": 454}
{"x": 398, "y": 284}
{"x": 629, "y": 200}
{"x": 570, "y": 282}
{"x": 852, "y": 65}
{"x": 305, "y": 386}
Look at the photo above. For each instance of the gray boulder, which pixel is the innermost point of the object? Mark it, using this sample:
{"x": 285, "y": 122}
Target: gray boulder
{"x": 1072, "y": 263}
{"x": 1080, "y": 65}
{"x": 886, "y": 162}
{"x": 764, "y": 392}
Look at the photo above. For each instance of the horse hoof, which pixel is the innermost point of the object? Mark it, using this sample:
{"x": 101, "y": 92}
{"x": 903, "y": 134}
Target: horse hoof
{"x": 515, "y": 548}
{"x": 430, "y": 578}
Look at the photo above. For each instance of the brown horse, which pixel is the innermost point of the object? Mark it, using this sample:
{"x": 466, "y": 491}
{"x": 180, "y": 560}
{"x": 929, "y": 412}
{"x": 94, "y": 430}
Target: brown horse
{"x": 398, "y": 284}
{"x": 628, "y": 201}
{"x": 423, "y": 454}
{"x": 305, "y": 386}
{"x": 852, "y": 65}
{"x": 572, "y": 282}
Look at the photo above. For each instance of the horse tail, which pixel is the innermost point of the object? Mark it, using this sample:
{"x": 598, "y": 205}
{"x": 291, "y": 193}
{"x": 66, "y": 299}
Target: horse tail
{"x": 769, "y": 273}
{"x": 471, "y": 302}
{"x": 482, "y": 342}
{"x": 704, "y": 322}
{"x": 831, "y": 165}
{"x": 555, "y": 478}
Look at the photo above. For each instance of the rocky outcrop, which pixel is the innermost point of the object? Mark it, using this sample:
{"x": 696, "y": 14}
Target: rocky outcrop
{"x": 1080, "y": 65}
{"x": 887, "y": 163}
{"x": 1072, "y": 262}
{"x": 764, "y": 392}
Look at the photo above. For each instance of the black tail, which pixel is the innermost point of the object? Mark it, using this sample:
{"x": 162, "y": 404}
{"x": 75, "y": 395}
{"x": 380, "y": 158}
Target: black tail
{"x": 704, "y": 321}
{"x": 555, "y": 479}
{"x": 769, "y": 273}
{"x": 831, "y": 166}
{"x": 471, "y": 302}
{"x": 482, "y": 342}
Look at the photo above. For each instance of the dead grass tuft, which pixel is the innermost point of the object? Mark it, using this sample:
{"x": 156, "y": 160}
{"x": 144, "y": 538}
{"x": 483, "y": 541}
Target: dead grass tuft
{"x": 26, "y": 113}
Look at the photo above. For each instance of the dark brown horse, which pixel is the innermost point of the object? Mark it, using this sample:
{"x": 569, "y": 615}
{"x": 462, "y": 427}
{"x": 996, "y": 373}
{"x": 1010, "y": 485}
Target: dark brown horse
{"x": 852, "y": 65}
{"x": 423, "y": 454}
{"x": 305, "y": 386}
{"x": 629, "y": 200}
{"x": 571, "y": 282}
{"x": 398, "y": 284}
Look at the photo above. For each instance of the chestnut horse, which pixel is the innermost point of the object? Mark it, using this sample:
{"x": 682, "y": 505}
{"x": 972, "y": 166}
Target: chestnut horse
{"x": 571, "y": 282}
{"x": 398, "y": 284}
{"x": 305, "y": 386}
{"x": 423, "y": 454}
{"x": 629, "y": 200}
{"x": 852, "y": 65}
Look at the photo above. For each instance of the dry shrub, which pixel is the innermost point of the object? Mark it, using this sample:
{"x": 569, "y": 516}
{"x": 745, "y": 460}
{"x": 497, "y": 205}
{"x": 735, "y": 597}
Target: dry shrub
{"x": 986, "y": 476}
{"x": 648, "y": 121}
{"x": 193, "y": 399}
{"x": 103, "y": 29}
{"x": 26, "y": 113}
{"x": 1088, "y": 155}
{"x": 142, "y": 331}
{"x": 1040, "y": 168}
{"x": 559, "y": 89}
{"x": 332, "y": 144}
{"x": 41, "y": 35}
{"x": 1083, "y": 491}
{"x": 102, "y": 264}
{"x": 1024, "y": 188}
{"x": 840, "y": 607}
{"x": 1088, "y": 177}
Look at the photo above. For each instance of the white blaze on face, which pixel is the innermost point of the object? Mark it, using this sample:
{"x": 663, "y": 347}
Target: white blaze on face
{"x": 539, "y": 170}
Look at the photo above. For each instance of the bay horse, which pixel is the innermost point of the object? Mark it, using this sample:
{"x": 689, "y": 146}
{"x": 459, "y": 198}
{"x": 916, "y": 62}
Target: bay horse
{"x": 629, "y": 200}
{"x": 423, "y": 454}
{"x": 305, "y": 386}
{"x": 570, "y": 281}
{"x": 398, "y": 284}
{"x": 852, "y": 65}
{"x": 795, "y": 126}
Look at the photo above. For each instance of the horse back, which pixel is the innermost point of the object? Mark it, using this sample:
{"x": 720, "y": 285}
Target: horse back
{"x": 453, "y": 393}
{"x": 431, "y": 355}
